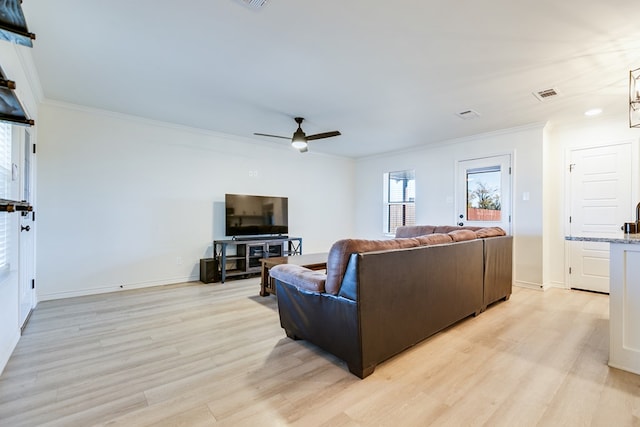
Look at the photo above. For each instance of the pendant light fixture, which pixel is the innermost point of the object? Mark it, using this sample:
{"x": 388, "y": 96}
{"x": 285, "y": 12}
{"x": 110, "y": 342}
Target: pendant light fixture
{"x": 634, "y": 98}
{"x": 13, "y": 26}
{"x": 11, "y": 110}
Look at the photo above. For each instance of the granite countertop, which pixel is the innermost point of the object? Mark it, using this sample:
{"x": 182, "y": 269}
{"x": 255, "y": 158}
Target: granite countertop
{"x": 620, "y": 238}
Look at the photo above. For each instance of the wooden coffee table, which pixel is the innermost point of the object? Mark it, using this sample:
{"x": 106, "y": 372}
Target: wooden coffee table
{"x": 310, "y": 261}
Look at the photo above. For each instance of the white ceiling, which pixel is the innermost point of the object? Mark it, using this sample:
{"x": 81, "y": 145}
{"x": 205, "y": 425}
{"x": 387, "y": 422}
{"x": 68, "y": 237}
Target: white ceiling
{"x": 388, "y": 75}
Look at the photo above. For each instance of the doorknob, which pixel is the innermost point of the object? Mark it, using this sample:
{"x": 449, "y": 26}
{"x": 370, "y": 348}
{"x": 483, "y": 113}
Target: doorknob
{"x": 23, "y": 228}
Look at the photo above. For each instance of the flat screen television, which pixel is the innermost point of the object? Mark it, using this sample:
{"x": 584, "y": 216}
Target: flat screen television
{"x": 248, "y": 215}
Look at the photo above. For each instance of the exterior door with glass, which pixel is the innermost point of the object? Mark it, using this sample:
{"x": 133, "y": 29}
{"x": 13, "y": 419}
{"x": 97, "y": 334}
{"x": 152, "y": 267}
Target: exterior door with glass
{"x": 484, "y": 192}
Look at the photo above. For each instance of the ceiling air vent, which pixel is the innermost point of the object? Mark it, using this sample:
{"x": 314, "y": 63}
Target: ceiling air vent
{"x": 547, "y": 94}
{"x": 255, "y": 4}
{"x": 468, "y": 114}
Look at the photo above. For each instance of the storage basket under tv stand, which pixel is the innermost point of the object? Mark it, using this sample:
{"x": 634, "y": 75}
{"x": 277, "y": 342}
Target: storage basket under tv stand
{"x": 241, "y": 257}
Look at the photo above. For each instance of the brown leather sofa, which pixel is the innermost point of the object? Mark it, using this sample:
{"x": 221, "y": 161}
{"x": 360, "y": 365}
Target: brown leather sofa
{"x": 380, "y": 297}
{"x": 497, "y": 253}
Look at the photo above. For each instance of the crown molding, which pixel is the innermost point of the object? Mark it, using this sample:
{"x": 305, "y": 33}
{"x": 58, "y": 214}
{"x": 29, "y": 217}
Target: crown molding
{"x": 182, "y": 128}
{"x": 448, "y": 142}
{"x": 33, "y": 79}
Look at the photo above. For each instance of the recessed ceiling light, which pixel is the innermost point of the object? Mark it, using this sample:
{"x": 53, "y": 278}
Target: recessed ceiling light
{"x": 593, "y": 112}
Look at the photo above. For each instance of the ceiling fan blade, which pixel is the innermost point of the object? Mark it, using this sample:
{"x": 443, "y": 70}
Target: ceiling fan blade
{"x": 273, "y": 136}
{"x": 323, "y": 135}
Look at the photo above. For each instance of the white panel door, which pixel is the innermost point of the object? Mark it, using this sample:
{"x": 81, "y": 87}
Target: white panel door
{"x": 600, "y": 187}
{"x": 483, "y": 192}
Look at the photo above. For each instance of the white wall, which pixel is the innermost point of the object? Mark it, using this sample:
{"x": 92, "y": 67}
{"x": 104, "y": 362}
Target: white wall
{"x": 435, "y": 189}
{"x": 153, "y": 167}
{"x": 551, "y": 176}
{"x": 16, "y": 64}
{"x": 121, "y": 198}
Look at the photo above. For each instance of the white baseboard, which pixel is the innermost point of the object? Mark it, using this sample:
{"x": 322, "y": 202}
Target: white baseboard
{"x": 529, "y": 285}
{"x": 559, "y": 285}
{"x": 114, "y": 288}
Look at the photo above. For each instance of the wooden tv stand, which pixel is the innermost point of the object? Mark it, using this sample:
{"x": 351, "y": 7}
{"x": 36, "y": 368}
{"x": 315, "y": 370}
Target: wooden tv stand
{"x": 240, "y": 257}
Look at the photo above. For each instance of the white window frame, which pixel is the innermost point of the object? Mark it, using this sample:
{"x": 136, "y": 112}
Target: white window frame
{"x": 386, "y": 227}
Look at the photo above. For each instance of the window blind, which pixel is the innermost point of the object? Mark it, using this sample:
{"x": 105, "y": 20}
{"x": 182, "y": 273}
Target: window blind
{"x": 5, "y": 181}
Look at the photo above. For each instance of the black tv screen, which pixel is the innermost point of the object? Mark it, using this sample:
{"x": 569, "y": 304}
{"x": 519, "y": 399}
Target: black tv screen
{"x": 248, "y": 215}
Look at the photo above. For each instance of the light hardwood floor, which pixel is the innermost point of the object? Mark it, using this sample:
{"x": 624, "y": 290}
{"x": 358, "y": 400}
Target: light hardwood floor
{"x": 202, "y": 355}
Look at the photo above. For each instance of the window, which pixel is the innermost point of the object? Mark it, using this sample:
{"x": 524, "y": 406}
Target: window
{"x": 5, "y": 182}
{"x": 400, "y": 197}
{"x": 483, "y": 194}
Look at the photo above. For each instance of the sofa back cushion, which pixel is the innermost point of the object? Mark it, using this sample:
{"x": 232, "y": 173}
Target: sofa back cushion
{"x": 490, "y": 232}
{"x": 415, "y": 230}
{"x": 423, "y": 230}
{"x": 462, "y": 235}
{"x": 450, "y": 228}
{"x": 341, "y": 251}
{"x": 434, "y": 239}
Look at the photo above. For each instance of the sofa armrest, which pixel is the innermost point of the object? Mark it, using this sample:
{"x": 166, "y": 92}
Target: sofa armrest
{"x": 299, "y": 277}
{"x": 498, "y": 268}
{"x": 329, "y": 321}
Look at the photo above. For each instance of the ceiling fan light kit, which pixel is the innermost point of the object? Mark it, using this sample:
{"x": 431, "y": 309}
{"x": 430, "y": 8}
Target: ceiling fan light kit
{"x": 299, "y": 140}
{"x": 299, "y": 144}
{"x": 634, "y": 98}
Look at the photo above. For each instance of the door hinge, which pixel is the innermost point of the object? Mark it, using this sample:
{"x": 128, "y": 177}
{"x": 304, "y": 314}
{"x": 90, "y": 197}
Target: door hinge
{"x": 569, "y": 270}
{"x": 33, "y": 283}
{"x": 509, "y": 170}
{"x": 569, "y": 220}
{"x": 572, "y": 167}
{"x": 33, "y": 216}
{"x": 34, "y": 148}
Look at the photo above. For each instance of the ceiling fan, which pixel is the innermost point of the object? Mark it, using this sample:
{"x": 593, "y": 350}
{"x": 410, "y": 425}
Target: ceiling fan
{"x": 300, "y": 140}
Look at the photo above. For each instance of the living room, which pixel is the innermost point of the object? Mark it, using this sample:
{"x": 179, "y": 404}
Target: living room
{"x": 124, "y": 201}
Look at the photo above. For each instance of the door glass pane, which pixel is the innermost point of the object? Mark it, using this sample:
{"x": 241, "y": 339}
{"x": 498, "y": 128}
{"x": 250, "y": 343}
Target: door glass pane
{"x": 5, "y": 160}
{"x": 5, "y": 181}
{"x": 483, "y": 194}
{"x": 27, "y": 168}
